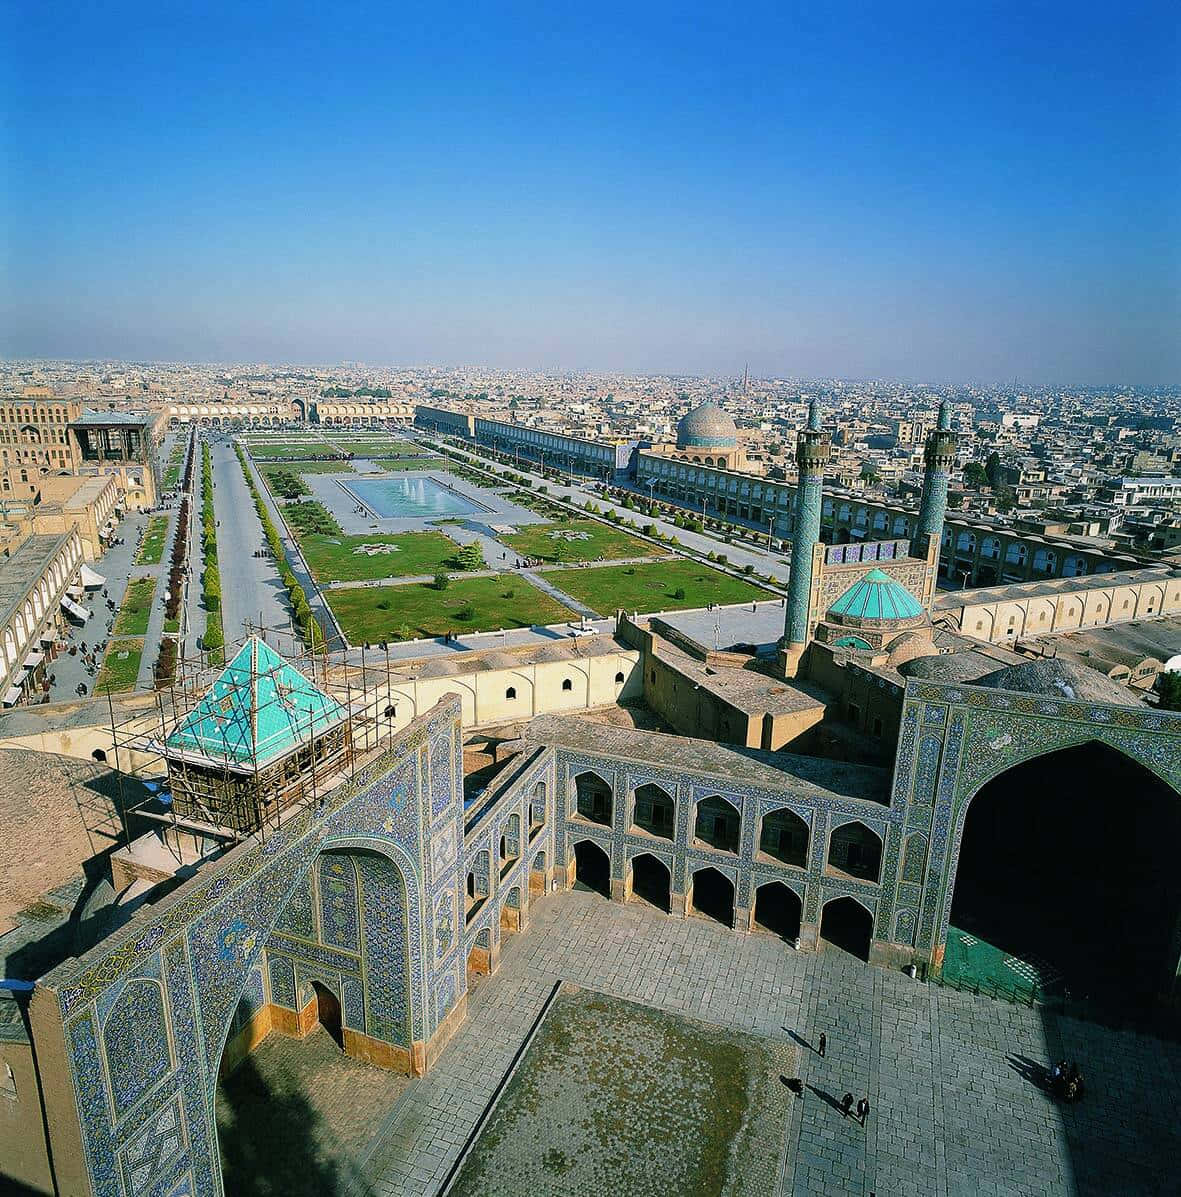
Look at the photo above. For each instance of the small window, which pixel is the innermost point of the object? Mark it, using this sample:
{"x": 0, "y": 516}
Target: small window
{"x": 99, "y": 755}
{"x": 877, "y": 727}
{"x": 390, "y": 712}
{"x": 854, "y": 712}
{"x": 567, "y": 684}
{"x": 652, "y": 675}
{"x": 511, "y": 692}
{"x": 619, "y": 676}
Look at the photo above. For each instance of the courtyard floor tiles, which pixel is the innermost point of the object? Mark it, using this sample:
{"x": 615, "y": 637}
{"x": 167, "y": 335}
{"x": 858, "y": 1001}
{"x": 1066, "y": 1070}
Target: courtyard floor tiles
{"x": 950, "y": 1077}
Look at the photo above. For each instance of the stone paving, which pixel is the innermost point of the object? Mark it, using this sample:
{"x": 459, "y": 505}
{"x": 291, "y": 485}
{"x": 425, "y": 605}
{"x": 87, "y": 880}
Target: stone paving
{"x": 292, "y": 1117}
{"x": 116, "y": 566}
{"x": 956, "y": 1104}
{"x": 616, "y": 1097}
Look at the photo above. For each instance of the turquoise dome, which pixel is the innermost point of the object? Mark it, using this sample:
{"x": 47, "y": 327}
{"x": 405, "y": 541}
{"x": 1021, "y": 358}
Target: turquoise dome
{"x": 877, "y": 597}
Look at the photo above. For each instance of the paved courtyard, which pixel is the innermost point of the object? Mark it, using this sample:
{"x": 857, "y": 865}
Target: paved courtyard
{"x": 293, "y": 1116}
{"x": 617, "y": 1097}
{"x": 953, "y": 1080}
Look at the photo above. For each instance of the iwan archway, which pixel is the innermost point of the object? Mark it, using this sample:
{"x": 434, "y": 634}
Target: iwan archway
{"x": 1067, "y": 877}
{"x": 337, "y": 897}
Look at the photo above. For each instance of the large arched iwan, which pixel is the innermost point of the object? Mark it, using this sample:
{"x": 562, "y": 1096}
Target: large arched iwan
{"x": 1070, "y": 859}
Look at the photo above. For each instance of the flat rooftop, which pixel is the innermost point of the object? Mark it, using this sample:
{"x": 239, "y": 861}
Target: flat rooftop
{"x": 724, "y": 628}
{"x": 20, "y": 572}
{"x": 808, "y": 776}
{"x": 949, "y": 600}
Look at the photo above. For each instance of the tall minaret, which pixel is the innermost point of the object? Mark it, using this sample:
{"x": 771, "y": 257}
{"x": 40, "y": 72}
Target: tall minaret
{"x": 939, "y": 457}
{"x": 812, "y": 453}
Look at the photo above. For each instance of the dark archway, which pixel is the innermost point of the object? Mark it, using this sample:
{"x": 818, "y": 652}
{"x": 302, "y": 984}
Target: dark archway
{"x": 713, "y": 895}
{"x": 784, "y": 837}
{"x": 328, "y": 1012}
{"x": 593, "y": 798}
{"x": 718, "y": 823}
{"x": 651, "y": 881}
{"x": 847, "y": 925}
{"x": 777, "y": 909}
{"x": 856, "y": 851}
{"x": 654, "y": 812}
{"x": 592, "y": 868}
{"x": 1068, "y": 862}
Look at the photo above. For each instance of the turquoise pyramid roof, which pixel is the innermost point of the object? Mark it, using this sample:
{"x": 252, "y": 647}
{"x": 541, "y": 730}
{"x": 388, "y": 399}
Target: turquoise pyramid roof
{"x": 877, "y": 596}
{"x": 260, "y": 708}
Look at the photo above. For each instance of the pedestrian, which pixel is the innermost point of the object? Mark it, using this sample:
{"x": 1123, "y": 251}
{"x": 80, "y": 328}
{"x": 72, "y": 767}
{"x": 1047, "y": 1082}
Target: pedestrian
{"x": 823, "y": 1044}
{"x": 847, "y": 1103}
{"x": 863, "y": 1110}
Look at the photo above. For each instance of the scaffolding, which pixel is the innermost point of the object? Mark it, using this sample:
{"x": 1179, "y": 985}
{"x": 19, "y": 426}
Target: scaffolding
{"x": 231, "y": 751}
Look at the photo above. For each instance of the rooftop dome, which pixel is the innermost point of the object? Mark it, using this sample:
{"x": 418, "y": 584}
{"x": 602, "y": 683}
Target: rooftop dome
{"x": 910, "y": 646}
{"x": 876, "y": 598}
{"x": 706, "y": 427}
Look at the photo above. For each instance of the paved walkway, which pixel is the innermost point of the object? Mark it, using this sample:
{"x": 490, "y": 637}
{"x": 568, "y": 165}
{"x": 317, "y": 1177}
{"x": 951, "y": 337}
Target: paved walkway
{"x": 954, "y": 1112}
{"x": 565, "y": 599}
{"x": 251, "y": 586}
{"x": 116, "y": 567}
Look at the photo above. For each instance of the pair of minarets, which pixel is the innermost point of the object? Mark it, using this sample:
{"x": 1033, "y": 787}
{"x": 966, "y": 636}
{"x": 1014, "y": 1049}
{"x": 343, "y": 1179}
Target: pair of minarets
{"x": 813, "y": 448}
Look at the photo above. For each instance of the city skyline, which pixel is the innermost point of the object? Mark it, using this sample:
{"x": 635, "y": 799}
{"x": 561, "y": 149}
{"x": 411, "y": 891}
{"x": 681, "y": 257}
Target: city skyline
{"x": 967, "y": 199}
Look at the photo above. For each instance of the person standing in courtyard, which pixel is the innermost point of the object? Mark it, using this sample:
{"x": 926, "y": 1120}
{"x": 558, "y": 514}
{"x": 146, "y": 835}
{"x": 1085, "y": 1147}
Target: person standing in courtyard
{"x": 847, "y": 1103}
{"x": 863, "y": 1110}
{"x": 823, "y": 1044}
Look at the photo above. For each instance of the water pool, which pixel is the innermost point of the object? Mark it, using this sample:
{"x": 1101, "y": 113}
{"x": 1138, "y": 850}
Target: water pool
{"x": 415, "y": 497}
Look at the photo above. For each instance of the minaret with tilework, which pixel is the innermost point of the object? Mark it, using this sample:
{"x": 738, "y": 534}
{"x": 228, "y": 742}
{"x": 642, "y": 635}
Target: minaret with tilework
{"x": 938, "y": 457}
{"x": 812, "y": 454}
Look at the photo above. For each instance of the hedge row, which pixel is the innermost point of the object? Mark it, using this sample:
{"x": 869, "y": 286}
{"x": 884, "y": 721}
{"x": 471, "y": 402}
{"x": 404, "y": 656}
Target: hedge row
{"x": 214, "y": 639}
{"x": 165, "y": 667}
{"x": 300, "y": 607}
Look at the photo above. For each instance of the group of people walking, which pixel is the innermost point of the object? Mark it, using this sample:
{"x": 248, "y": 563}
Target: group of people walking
{"x": 1066, "y": 1083}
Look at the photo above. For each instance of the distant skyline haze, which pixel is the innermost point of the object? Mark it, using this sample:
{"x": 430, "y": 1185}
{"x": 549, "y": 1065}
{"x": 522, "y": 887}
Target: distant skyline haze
{"x": 966, "y": 193}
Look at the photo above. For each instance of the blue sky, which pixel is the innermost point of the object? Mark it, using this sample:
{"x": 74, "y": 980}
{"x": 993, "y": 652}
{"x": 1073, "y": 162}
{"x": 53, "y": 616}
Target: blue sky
{"x": 965, "y": 192}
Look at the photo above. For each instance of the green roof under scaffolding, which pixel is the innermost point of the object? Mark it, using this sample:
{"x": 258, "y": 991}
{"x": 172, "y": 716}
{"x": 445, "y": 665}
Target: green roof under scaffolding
{"x": 258, "y": 710}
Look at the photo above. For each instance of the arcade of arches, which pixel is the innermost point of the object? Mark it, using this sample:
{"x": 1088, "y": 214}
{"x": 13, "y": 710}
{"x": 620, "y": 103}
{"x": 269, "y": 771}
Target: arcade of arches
{"x": 1072, "y": 858}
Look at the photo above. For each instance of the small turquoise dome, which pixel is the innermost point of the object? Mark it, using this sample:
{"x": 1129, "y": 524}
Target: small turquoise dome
{"x": 877, "y": 597}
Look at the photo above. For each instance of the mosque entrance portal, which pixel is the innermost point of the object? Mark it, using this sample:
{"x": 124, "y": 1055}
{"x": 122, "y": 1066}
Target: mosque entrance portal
{"x": 1068, "y": 878}
{"x": 328, "y": 1012}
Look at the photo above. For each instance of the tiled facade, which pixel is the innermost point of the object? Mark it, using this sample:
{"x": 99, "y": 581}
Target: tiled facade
{"x": 387, "y": 890}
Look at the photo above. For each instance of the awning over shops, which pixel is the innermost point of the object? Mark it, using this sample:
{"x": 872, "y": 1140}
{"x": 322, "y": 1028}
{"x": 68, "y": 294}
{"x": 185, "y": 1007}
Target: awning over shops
{"x": 75, "y": 591}
{"x": 33, "y": 660}
{"x": 47, "y": 637}
{"x": 74, "y": 610}
{"x": 90, "y": 579}
{"x": 12, "y": 696}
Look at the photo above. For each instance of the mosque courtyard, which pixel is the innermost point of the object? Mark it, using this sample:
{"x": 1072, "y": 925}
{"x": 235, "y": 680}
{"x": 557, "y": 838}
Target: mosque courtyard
{"x": 953, "y": 1080}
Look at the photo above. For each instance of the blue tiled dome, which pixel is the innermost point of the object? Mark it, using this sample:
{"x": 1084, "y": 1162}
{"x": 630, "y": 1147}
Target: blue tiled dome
{"x": 707, "y": 427}
{"x": 876, "y": 596}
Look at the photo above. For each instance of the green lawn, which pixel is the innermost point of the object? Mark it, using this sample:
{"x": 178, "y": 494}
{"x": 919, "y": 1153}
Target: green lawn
{"x": 151, "y": 549}
{"x": 119, "y": 672}
{"x": 386, "y": 446}
{"x": 418, "y": 609}
{"x": 336, "y": 466}
{"x": 336, "y": 559}
{"x": 394, "y": 464}
{"x": 136, "y": 607}
{"x": 292, "y": 449}
{"x": 653, "y": 587}
{"x": 562, "y": 541}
